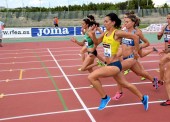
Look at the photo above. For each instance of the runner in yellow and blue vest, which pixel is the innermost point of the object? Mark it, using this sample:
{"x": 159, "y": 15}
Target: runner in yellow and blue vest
{"x": 111, "y": 40}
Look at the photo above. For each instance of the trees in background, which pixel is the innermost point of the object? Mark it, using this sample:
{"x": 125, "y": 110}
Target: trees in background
{"x": 127, "y": 5}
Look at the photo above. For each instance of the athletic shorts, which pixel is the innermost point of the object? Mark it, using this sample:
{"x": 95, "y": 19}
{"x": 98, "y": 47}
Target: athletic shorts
{"x": 94, "y": 53}
{"x": 117, "y": 64}
{"x": 130, "y": 56}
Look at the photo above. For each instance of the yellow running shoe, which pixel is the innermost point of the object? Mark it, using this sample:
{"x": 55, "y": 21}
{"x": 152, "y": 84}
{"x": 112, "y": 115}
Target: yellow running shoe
{"x": 126, "y": 71}
{"x": 143, "y": 78}
{"x": 100, "y": 64}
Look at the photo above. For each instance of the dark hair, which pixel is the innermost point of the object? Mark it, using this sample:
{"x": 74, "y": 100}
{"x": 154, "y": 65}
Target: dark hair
{"x": 134, "y": 19}
{"x": 91, "y": 17}
{"x": 94, "y": 23}
{"x": 87, "y": 21}
{"x": 114, "y": 17}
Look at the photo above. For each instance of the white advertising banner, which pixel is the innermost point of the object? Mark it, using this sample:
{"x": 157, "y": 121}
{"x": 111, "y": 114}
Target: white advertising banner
{"x": 154, "y": 28}
{"x": 16, "y": 32}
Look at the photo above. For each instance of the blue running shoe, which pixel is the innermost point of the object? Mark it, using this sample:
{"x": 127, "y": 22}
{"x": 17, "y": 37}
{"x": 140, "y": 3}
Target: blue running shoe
{"x": 155, "y": 83}
{"x": 145, "y": 102}
{"x": 104, "y": 103}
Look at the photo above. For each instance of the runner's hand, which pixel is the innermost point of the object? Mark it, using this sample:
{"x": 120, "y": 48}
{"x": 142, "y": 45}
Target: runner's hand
{"x": 73, "y": 40}
{"x": 136, "y": 56}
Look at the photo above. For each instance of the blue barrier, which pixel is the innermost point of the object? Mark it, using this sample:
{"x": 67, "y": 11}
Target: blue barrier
{"x": 60, "y": 31}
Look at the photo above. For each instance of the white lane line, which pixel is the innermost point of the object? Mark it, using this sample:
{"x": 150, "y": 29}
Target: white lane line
{"x": 29, "y": 49}
{"x": 26, "y": 69}
{"x": 26, "y": 62}
{"x": 35, "y": 78}
{"x": 75, "y": 92}
{"x": 22, "y": 57}
{"x": 75, "y": 110}
{"x": 66, "y": 60}
{"x": 78, "y": 88}
{"x": 7, "y": 70}
{"x": 75, "y": 47}
{"x": 72, "y": 75}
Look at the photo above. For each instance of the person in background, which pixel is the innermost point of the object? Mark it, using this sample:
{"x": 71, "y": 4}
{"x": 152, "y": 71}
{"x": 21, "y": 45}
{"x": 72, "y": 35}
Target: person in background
{"x": 164, "y": 64}
{"x": 84, "y": 47}
{"x": 55, "y": 21}
{"x": 2, "y": 25}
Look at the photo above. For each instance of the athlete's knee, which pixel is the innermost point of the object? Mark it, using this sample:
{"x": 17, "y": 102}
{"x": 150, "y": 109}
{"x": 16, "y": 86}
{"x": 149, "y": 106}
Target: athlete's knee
{"x": 91, "y": 77}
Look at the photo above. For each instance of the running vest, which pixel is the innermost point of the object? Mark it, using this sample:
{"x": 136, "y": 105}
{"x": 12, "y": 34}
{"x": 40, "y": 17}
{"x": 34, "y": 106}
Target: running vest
{"x": 110, "y": 45}
{"x": 128, "y": 42}
{"x": 88, "y": 41}
{"x": 167, "y": 35}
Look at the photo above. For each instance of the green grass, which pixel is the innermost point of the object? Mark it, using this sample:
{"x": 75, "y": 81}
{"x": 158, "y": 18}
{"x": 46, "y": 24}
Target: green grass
{"x": 143, "y": 25}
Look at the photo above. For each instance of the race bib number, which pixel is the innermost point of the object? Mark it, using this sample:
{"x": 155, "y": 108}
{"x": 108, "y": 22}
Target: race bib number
{"x": 107, "y": 50}
{"x": 168, "y": 36}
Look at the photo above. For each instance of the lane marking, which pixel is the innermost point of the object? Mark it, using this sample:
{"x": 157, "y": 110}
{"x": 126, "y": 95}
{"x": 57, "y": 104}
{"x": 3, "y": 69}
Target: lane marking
{"x": 7, "y": 80}
{"x": 59, "y": 76}
{"x": 26, "y": 62}
{"x": 54, "y": 83}
{"x": 72, "y": 54}
{"x": 77, "y": 88}
{"x": 75, "y": 92}
{"x": 66, "y": 60}
{"x": 74, "y": 110}
{"x": 40, "y": 56}
{"x": 20, "y": 74}
{"x": 74, "y": 47}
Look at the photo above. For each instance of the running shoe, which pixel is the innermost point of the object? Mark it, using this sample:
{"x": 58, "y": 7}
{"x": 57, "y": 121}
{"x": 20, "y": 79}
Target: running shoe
{"x": 166, "y": 103}
{"x": 154, "y": 49}
{"x": 145, "y": 102}
{"x": 117, "y": 96}
{"x": 104, "y": 103}
{"x": 99, "y": 63}
{"x": 143, "y": 78}
{"x": 126, "y": 71}
{"x": 155, "y": 83}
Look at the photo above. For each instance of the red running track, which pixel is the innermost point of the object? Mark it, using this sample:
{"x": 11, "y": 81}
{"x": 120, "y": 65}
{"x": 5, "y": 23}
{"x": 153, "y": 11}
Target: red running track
{"x": 41, "y": 83}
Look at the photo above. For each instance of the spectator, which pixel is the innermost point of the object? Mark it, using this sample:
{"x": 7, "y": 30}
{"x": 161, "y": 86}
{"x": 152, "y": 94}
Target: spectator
{"x": 2, "y": 25}
{"x": 56, "y": 21}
